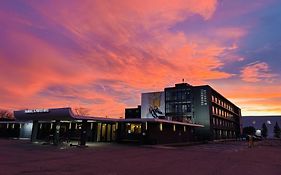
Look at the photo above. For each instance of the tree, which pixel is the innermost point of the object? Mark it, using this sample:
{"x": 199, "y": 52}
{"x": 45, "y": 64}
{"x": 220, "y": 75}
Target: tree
{"x": 264, "y": 130}
{"x": 6, "y": 114}
{"x": 249, "y": 130}
{"x": 276, "y": 130}
{"x": 82, "y": 111}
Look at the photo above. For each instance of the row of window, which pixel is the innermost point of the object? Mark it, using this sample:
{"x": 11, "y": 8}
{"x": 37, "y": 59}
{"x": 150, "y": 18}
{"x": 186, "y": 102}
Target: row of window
{"x": 220, "y": 112}
{"x": 178, "y": 95}
{"x": 222, "y": 123}
{"x": 223, "y": 134}
{"x": 174, "y": 127}
{"x": 221, "y": 103}
{"x": 178, "y": 107}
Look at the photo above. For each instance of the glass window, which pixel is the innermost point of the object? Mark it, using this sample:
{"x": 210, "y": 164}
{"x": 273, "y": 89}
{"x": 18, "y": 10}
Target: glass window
{"x": 168, "y": 95}
{"x": 188, "y": 107}
{"x": 184, "y": 108}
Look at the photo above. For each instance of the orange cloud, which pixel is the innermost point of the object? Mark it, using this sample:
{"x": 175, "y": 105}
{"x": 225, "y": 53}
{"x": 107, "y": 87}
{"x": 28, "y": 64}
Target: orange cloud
{"x": 113, "y": 53}
{"x": 253, "y": 98}
{"x": 256, "y": 72}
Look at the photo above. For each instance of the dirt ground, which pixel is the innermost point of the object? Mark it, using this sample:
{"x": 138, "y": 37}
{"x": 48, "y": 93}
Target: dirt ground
{"x": 231, "y": 158}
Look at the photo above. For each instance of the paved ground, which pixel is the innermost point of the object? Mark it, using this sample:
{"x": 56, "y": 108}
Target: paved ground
{"x": 232, "y": 158}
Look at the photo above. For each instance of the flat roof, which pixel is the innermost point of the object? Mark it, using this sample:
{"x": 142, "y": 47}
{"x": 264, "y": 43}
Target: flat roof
{"x": 54, "y": 114}
{"x": 67, "y": 114}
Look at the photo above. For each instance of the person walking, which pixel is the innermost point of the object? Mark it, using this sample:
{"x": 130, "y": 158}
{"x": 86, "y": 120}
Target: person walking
{"x": 251, "y": 141}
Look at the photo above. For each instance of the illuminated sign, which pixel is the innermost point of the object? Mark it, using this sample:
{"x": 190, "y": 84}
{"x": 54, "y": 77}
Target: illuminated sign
{"x": 203, "y": 95}
{"x": 33, "y": 111}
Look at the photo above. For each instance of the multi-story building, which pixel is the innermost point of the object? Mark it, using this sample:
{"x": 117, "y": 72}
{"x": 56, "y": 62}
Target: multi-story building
{"x": 203, "y": 105}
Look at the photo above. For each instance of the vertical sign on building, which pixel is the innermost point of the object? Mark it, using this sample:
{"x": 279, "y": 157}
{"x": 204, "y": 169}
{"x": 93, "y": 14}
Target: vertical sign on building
{"x": 203, "y": 96}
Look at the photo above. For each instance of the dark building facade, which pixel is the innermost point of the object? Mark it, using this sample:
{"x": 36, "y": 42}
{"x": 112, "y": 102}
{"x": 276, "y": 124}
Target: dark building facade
{"x": 133, "y": 112}
{"x": 61, "y": 125}
{"x": 203, "y": 105}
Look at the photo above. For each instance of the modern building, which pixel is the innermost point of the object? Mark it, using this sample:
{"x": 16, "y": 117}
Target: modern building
{"x": 258, "y": 121}
{"x": 194, "y": 104}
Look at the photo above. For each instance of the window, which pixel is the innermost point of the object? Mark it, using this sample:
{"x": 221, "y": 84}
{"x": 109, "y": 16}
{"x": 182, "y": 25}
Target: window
{"x": 135, "y": 128}
{"x": 184, "y": 108}
{"x": 188, "y": 107}
{"x": 177, "y": 108}
{"x": 168, "y": 95}
{"x": 216, "y": 111}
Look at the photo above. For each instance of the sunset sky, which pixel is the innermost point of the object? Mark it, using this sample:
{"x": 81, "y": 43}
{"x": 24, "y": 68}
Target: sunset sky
{"x": 102, "y": 54}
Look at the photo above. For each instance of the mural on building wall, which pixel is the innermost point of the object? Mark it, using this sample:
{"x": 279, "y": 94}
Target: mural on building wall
{"x": 153, "y": 105}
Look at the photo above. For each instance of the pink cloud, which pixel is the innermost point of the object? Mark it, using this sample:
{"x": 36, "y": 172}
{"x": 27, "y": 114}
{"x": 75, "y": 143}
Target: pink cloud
{"x": 257, "y": 71}
{"x": 128, "y": 42}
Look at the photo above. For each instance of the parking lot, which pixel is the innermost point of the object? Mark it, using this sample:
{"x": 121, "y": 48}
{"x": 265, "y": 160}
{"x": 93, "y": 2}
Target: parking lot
{"x": 231, "y": 158}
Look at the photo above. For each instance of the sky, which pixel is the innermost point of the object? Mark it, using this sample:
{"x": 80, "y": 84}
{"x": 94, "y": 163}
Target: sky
{"x": 102, "y": 54}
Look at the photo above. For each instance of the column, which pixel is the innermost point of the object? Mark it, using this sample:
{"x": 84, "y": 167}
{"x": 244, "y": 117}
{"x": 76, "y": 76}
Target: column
{"x": 83, "y": 137}
{"x": 34, "y": 133}
{"x": 56, "y": 132}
